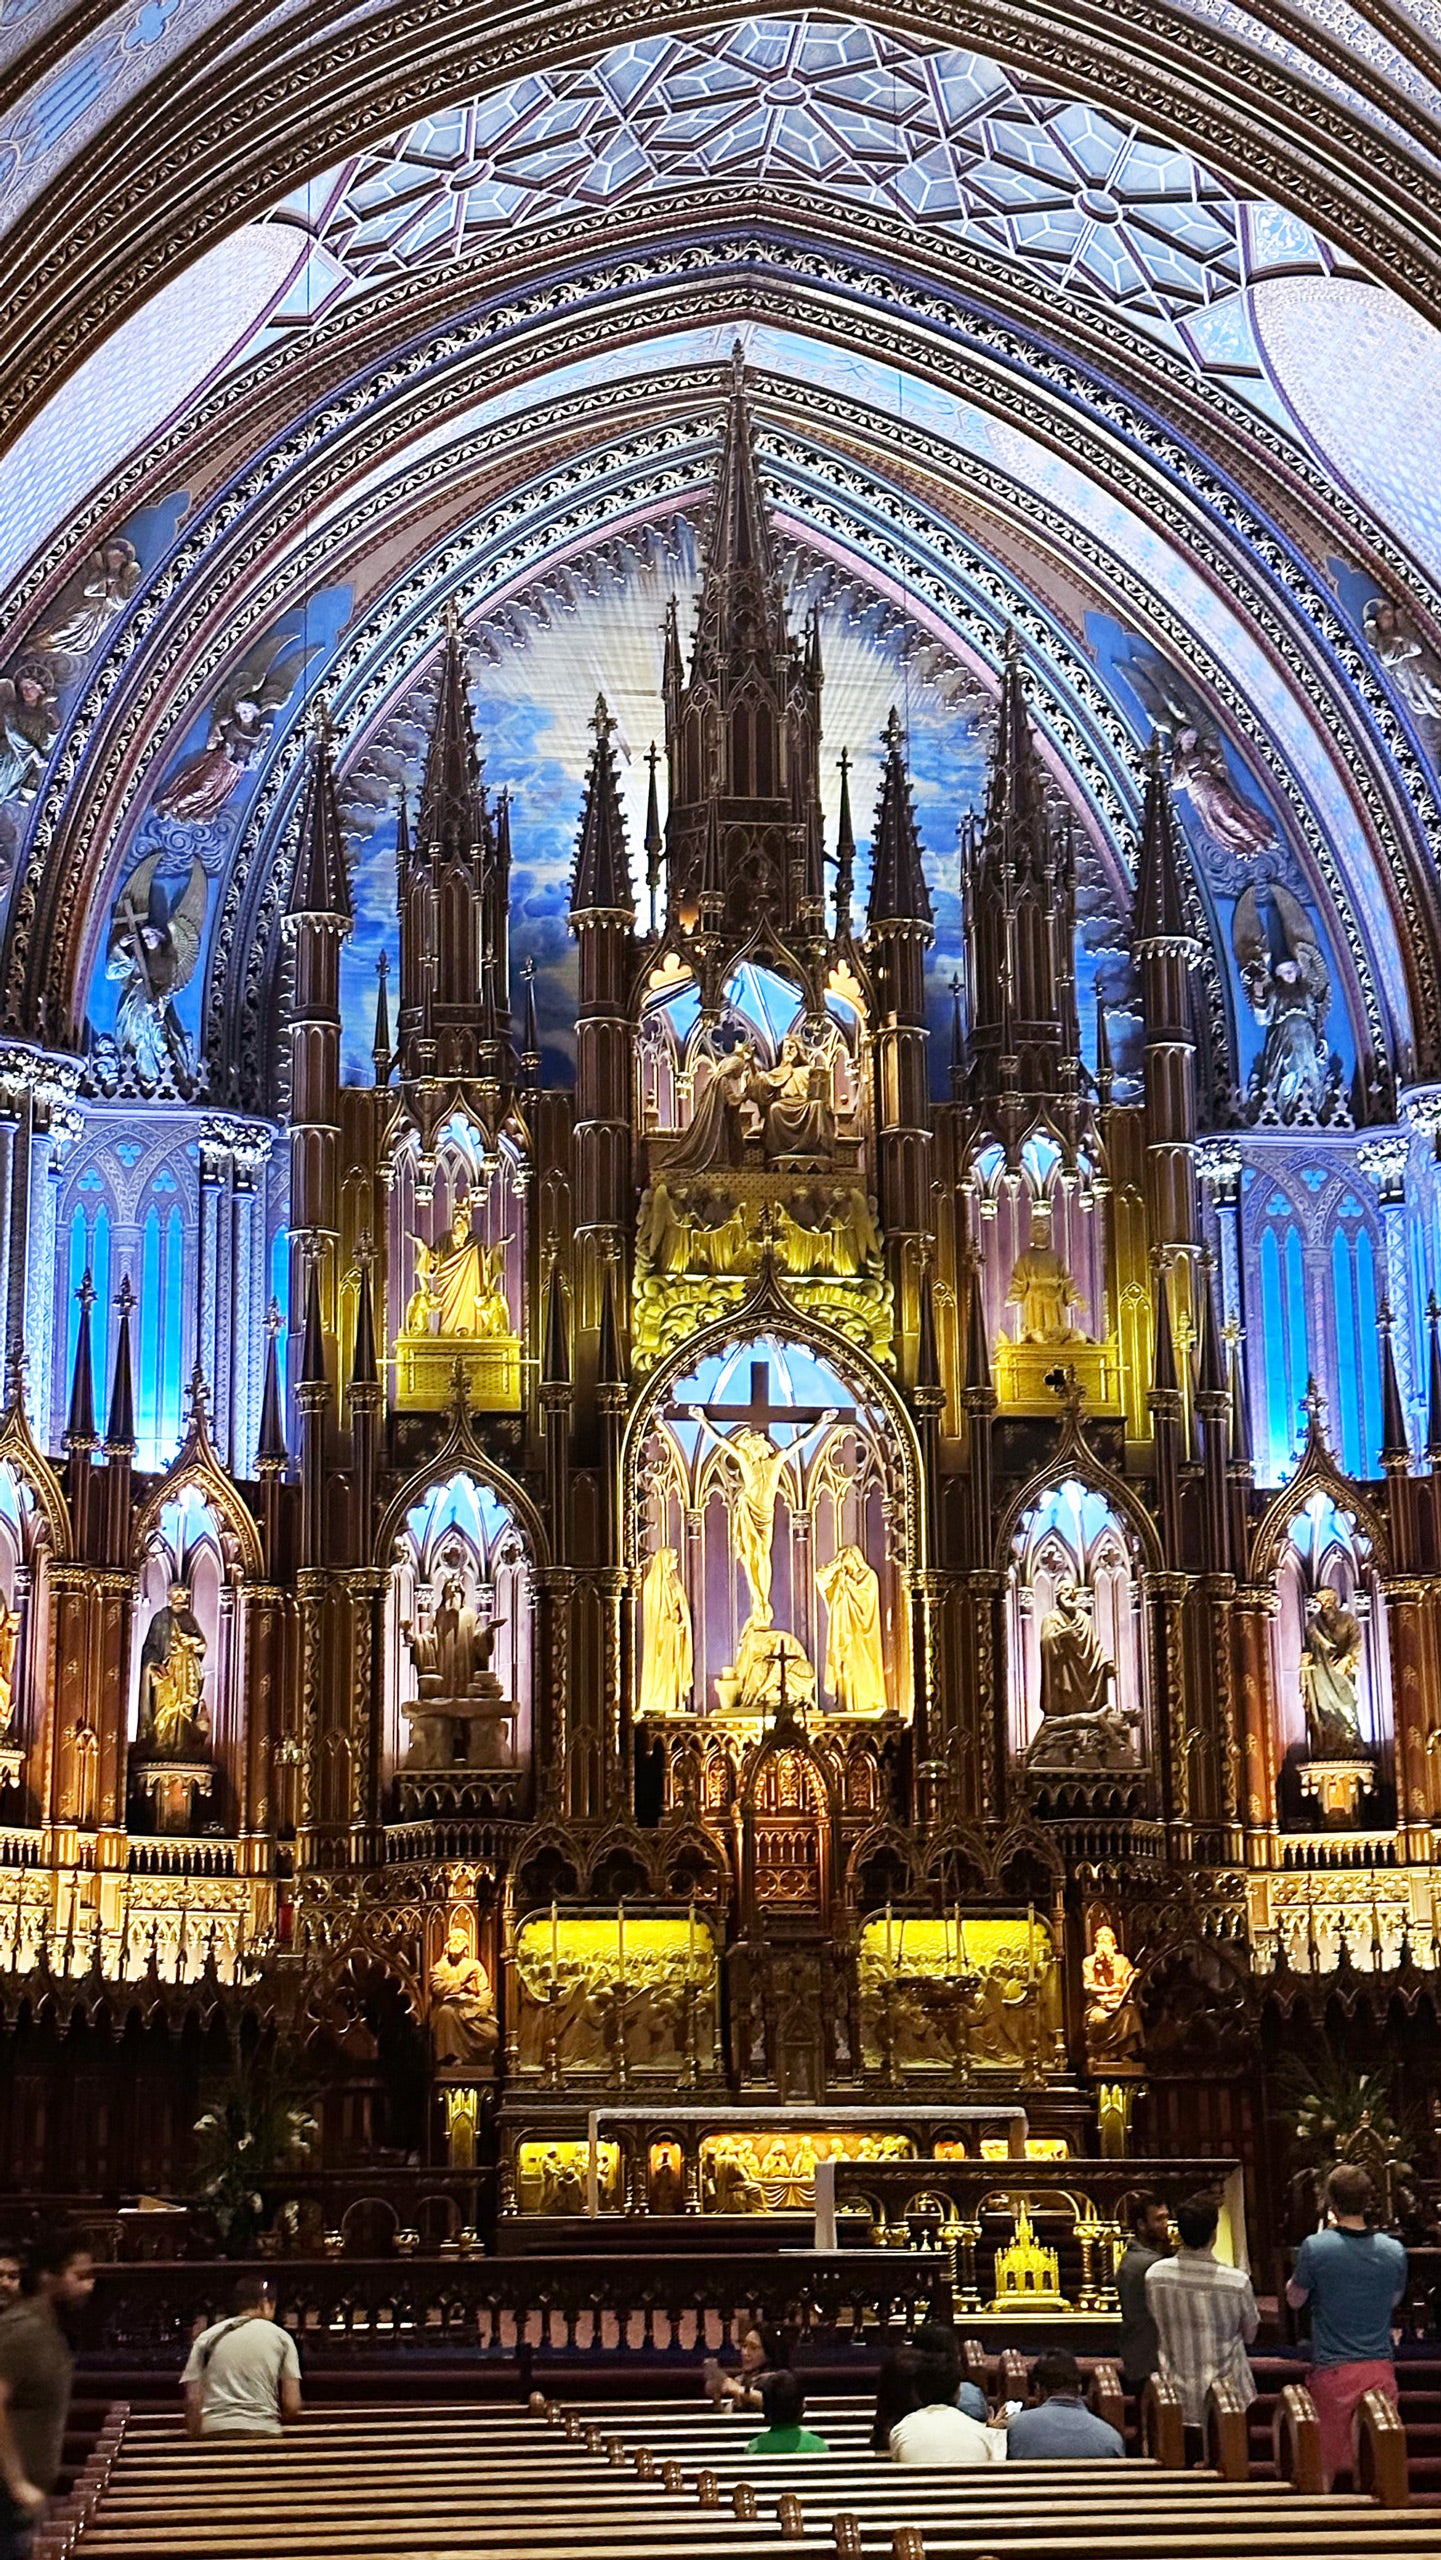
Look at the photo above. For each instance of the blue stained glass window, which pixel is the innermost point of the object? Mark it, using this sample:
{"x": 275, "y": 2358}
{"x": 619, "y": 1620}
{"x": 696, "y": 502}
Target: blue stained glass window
{"x": 147, "y": 1401}
{"x": 1370, "y": 1364}
{"x": 1284, "y": 1343}
{"x": 1358, "y": 1351}
{"x": 280, "y": 1271}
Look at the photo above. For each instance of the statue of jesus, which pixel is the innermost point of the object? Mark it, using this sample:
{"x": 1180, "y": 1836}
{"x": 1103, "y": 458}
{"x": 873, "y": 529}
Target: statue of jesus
{"x": 760, "y": 1466}
{"x": 1043, "y": 1289}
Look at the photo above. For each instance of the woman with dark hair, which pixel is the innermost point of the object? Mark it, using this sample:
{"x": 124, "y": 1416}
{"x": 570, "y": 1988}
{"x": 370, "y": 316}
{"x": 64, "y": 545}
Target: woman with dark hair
{"x": 763, "y": 2352}
{"x": 895, "y": 2395}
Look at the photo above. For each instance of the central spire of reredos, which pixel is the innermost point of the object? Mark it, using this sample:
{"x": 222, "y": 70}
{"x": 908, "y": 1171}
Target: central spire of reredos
{"x": 744, "y": 839}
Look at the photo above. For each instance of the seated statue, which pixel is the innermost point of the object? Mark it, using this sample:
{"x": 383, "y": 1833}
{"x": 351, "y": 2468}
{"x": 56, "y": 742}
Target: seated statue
{"x": 174, "y": 1719}
{"x": 716, "y": 1132}
{"x": 1079, "y": 1728}
{"x": 1043, "y": 1289}
{"x": 796, "y": 1122}
{"x": 457, "y": 1692}
{"x": 1112, "y": 2019}
{"x": 462, "y": 2005}
{"x": 461, "y": 1283}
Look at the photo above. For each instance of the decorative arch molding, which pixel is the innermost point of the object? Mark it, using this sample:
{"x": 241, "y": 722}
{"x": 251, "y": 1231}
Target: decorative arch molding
{"x": 95, "y": 244}
{"x": 21, "y": 1452}
{"x": 1317, "y": 1472}
{"x": 1390, "y": 824}
{"x": 197, "y": 1469}
{"x": 461, "y": 1454}
{"x": 1073, "y": 1456}
{"x": 769, "y": 1310}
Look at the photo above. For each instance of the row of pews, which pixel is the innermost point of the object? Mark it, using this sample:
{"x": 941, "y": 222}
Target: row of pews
{"x": 667, "y": 2481}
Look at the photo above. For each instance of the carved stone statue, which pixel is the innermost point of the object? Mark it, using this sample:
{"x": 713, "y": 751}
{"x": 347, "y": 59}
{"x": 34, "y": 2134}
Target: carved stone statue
{"x": 460, "y": 1704}
{"x": 1043, "y": 1289}
{"x": 1330, "y": 1664}
{"x": 174, "y": 1719}
{"x": 462, "y": 2005}
{"x": 1079, "y": 1728}
{"x": 9, "y": 1641}
{"x": 1112, "y": 2019}
{"x": 855, "y": 1654}
{"x": 461, "y": 1283}
{"x": 759, "y": 1468}
{"x": 797, "y": 1122}
{"x": 1296, "y": 1081}
{"x": 716, "y": 1134}
{"x": 667, "y": 1649}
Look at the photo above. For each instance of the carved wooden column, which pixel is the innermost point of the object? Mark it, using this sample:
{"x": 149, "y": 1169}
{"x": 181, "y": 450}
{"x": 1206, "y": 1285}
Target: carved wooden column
{"x": 1252, "y": 1612}
{"x": 269, "y": 1621}
{"x": 1406, "y": 1598}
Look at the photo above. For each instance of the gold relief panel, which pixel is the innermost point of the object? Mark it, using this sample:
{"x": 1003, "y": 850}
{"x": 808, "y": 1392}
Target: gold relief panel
{"x": 702, "y": 1242}
{"x": 617, "y": 1996}
{"x": 766, "y": 2172}
{"x": 959, "y": 1996}
{"x": 551, "y": 2177}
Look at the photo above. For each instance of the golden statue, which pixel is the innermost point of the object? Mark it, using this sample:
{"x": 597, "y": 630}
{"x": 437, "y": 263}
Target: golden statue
{"x": 1112, "y": 2019}
{"x": 461, "y": 1282}
{"x": 1043, "y": 1289}
{"x": 759, "y": 1467}
{"x": 462, "y": 2005}
{"x": 9, "y": 1641}
{"x": 667, "y": 1649}
{"x": 173, "y": 1717}
{"x": 855, "y": 1657}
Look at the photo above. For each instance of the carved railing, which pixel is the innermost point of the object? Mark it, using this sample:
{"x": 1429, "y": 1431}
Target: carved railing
{"x": 510, "y": 2306}
{"x": 966, "y": 2212}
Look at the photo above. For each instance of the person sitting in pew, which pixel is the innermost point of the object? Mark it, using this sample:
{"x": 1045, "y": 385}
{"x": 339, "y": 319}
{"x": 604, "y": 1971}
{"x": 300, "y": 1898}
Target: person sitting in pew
{"x": 896, "y": 2383}
{"x": 938, "y": 2433}
{"x": 243, "y": 2374}
{"x": 785, "y": 2405}
{"x": 763, "y": 2352}
{"x": 1061, "y": 2428}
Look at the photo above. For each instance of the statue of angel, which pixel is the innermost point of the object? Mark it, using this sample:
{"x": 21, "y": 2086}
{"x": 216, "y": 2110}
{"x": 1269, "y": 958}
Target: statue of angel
{"x": 1199, "y": 768}
{"x": 1399, "y": 646}
{"x": 28, "y": 722}
{"x": 1296, "y": 1080}
{"x": 153, "y": 949}
{"x": 241, "y": 719}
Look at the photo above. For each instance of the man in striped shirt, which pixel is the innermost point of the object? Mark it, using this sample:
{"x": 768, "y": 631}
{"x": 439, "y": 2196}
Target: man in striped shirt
{"x": 1205, "y": 2313}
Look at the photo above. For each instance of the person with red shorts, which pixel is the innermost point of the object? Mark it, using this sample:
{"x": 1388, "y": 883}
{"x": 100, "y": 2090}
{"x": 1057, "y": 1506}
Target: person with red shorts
{"x": 1353, "y": 2277}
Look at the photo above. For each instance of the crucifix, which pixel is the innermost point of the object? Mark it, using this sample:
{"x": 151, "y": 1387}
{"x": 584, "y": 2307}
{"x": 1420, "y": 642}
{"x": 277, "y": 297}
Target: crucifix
{"x": 759, "y": 1464}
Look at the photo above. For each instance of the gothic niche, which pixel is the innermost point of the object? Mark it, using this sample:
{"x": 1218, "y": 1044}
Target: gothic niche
{"x": 21, "y": 1529}
{"x": 186, "y": 1719}
{"x": 1043, "y": 1260}
{"x": 460, "y": 1650}
{"x": 772, "y": 1574}
{"x": 456, "y": 1270}
{"x": 755, "y": 1145}
{"x": 1334, "y": 1741}
{"x": 1074, "y": 1638}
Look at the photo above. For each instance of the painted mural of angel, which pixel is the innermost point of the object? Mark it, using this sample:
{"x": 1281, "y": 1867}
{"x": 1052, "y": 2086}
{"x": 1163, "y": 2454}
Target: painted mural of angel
{"x": 89, "y": 602}
{"x": 1403, "y": 655}
{"x": 1296, "y": 1079}
{"x": 28, "y": 722}
{"x": 153, "y": 949}
{"x": 1198, "y": 758}
{"x": 241, "y": 719}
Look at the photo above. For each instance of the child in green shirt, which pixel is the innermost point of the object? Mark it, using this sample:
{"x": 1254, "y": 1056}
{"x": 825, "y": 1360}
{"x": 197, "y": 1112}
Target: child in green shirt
{"x": 784, "y": 2403}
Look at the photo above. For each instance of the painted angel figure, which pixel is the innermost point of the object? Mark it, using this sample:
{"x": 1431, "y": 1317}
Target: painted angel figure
{"x": 1295, "y": 1081}
{"x": 90, "y": 601}
{"x": 1408, "y": 659}
{"x": 1198, "y": 758}
{"x": 154, "y": 946}
{"x": 28, "y": 722}
{"x": 241, "y": 719}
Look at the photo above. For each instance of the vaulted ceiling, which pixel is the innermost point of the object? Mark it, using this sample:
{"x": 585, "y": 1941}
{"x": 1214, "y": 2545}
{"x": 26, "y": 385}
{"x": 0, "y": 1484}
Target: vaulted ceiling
{"x": 1118, "y": 331}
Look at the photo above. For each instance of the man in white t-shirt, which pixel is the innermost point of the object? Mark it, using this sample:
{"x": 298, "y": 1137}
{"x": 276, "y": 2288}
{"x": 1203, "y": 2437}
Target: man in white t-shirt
{"x": 243, "y": 2376}
{"x": 938, "y": 2432}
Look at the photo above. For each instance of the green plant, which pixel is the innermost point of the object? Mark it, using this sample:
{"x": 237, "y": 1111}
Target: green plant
{"x": 257, "y": 2124}
{"x": 1333, "y": 2113}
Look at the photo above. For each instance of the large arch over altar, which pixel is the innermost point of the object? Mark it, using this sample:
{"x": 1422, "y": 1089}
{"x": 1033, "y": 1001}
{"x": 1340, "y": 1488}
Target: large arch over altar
{"x": 773, "y": 1527}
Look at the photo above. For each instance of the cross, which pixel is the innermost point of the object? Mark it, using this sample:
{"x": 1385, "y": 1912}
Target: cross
{"x": 758, "y": 1411}
{"x": 779, "y": 1660}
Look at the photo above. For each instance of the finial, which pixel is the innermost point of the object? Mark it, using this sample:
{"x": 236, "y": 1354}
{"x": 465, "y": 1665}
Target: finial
{"x": 319, "y": 720}
{"x": 382, "y": 966}
{"x": 893, "y": 736}
{"x": 600, "y": 719}
{"x": 17, "y": 1376}
{"x": 1011, "y": 646}
{"x": 451, "y": 619}
{"x": 199, "y": 1399}
{"x": 527, "y": 971}
{"x": 459, "y": 1394}
{"x": 86, "y": 1293}
{"x": 364, "y": 1250}
{"x": 274, "y": 1320}
{"x": 1154, "y": 753}
{"x": 843, "y": 763}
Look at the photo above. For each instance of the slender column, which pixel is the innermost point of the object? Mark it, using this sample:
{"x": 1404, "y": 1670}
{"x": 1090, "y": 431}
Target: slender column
{"x": 1385, "y": 1159}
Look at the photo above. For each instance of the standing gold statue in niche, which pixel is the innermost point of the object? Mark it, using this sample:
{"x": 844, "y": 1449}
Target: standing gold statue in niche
{"x": 667, "y": 1647}
{"x": 9, "y": 1641}
{"x": 855, "y": 1655}
{"x": 1043, "y": 1289}
{"x": 173, "y": 1716}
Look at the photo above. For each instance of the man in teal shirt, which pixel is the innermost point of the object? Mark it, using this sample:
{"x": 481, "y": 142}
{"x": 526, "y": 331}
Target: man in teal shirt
{"x": 1353, "y": 2278}
{"x": 784, "y": 2403}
